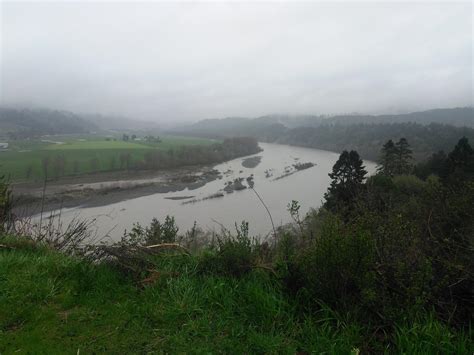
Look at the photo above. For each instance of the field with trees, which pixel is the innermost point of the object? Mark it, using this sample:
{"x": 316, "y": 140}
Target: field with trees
{"x": 59, "y": 156}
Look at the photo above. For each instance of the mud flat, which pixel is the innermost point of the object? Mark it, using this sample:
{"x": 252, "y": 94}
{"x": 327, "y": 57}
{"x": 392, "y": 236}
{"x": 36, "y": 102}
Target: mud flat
{"x": 105, "y": 189}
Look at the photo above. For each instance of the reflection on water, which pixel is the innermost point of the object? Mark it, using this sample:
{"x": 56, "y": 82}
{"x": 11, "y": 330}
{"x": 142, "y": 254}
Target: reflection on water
{"x": 306, "y": 186}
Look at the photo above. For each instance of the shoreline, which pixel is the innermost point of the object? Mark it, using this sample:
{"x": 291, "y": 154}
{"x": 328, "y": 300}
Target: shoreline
{"x": 107, "y": 188}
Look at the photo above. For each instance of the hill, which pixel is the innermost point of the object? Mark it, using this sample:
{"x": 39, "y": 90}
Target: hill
{"x": 118, "y": 123}
{"x": 25, "y": 123}
{"x": 460, "y": 117}
{"x": 427, "y": 131}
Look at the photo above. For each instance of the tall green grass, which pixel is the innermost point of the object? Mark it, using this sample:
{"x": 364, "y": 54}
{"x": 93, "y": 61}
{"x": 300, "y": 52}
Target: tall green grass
{"x": 51, "y": 303}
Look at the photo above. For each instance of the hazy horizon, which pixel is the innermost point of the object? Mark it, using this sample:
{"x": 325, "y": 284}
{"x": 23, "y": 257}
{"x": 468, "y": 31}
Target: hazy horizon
{"x": 183, "y": 62}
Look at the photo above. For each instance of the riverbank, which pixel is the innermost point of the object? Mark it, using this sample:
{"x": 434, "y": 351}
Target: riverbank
{"x": 165, "y": 193}
{"x": 103, "y": 189}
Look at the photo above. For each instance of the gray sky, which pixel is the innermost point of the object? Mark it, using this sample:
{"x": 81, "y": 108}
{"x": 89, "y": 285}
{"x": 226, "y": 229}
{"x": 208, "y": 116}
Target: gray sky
{"x": 188, "y": 61}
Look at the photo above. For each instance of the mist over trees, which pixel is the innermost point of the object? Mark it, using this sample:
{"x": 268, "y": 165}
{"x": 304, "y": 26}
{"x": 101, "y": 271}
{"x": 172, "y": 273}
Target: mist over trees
{"x": 26, "y": 123}
{"x": 341, "y": 133}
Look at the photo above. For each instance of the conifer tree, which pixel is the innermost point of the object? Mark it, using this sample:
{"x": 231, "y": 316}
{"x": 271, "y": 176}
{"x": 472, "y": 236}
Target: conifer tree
{"x": 347, "y": 177}
{"x": 461, "y": 160}
{"x": 403, "y": 158}
{"x": 387, "y": 162}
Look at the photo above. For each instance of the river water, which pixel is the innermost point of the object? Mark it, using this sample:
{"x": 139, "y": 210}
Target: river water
{"x": 306, "y": 186}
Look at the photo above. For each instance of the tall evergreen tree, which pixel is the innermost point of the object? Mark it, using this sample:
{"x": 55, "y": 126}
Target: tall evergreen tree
{"x": 404, "y": 157}
{"x": 388, "y": 159}
{"x": 436, "y": 164}
{"x": 461, "y": 160}
{"x": 347, "y": 177}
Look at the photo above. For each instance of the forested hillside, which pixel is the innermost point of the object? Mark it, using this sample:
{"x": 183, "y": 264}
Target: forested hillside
{"x": 24, "y": 123}
{"x": 367, "y": 138}
{"x": 427, "y": 132}
{"x": 462, "y": 116}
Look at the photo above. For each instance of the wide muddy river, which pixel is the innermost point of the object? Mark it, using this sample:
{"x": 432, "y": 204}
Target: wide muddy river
{"x": 305, "y": 186}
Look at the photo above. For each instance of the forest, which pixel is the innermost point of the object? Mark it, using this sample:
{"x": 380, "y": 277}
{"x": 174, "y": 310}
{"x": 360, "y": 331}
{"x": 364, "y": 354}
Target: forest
{"x": 428, "y": 131}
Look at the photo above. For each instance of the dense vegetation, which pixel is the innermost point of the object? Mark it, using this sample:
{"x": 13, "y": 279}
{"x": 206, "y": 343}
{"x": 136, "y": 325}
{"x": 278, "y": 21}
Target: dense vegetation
{"x": 34, "y": 160}
{"x": 386, "y": 265}
{"x": 428, "y": 131}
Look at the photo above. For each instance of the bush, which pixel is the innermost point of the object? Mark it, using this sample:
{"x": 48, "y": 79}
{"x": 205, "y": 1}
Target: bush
{"x": 232, "y": 255}
{"x": 337, "y": 267}
{"x": 155, "y": 233}
{"x": 409, "y": 184}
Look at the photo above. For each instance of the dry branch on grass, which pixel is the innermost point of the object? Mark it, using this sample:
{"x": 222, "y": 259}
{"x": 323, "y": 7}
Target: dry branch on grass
{"x": 162, "y": 246}
{"x": 136, "y": 258}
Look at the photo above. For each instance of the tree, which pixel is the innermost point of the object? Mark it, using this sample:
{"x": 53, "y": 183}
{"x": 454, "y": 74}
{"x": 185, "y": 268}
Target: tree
{"x": 59, "y": 165}
{"x": 347, "y": 177}
{"x": 460, "y": 161}
{"x": 436, "y": 164}
{"x": 113, "y": 162}
{"x": 125, "y": 160}
{"x": 45, "y": 163}
{"x": 403, "y": 157}
{"x": 29, "y": 171}
{"x": 158, "y": 232}
{"x": 75, "y": 167}
{"x": 94, "y": 163}
{"x": 387, "y": 162}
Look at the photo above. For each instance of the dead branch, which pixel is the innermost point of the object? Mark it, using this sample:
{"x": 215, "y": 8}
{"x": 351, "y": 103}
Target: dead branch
{"x": 168, "y": 246}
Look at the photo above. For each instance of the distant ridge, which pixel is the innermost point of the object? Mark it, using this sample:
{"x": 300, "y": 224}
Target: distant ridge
{"x": 427, "y": 131}
{"x": 17, "y": 123}
{"x": 20, "y": 123}
{"x": 460, "y": 117}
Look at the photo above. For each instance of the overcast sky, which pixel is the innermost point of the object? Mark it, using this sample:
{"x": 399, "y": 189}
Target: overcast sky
{"x": 188, "y": 61}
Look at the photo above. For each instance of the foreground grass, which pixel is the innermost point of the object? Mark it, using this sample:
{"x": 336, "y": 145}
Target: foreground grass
{"x": 51, "y": 304}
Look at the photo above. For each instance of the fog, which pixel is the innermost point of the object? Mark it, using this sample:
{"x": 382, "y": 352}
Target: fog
{"x": 188, "y": 61}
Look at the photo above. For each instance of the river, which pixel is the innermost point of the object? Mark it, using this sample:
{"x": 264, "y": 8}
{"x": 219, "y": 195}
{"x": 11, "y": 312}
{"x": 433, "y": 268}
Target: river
{"x": 306, "y": 186}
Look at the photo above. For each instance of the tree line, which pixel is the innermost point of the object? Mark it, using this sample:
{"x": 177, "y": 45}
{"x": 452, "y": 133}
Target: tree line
{"x": 54, "y": 167}
{"x": 366, "y": 138}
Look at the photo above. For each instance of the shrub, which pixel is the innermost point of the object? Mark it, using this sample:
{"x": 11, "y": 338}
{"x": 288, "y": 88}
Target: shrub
{"x": 409, "y": 184}
{"x": 155, "y": 233}
{"x": 337, "y": 267}
{"x": 232, "y": 255}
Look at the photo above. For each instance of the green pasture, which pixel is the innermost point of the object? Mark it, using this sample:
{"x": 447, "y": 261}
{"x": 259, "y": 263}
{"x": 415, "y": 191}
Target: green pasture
{"x": 80, "y": 155}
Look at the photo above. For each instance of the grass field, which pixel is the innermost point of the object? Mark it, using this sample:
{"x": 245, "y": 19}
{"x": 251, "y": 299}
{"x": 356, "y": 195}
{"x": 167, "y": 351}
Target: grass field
{"x": 54, "y": 304}
{"x": 79, "y": 154}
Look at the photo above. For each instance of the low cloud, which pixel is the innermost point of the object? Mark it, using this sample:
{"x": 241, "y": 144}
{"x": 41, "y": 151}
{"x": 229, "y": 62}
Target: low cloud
{"x": 188, "y": 61}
